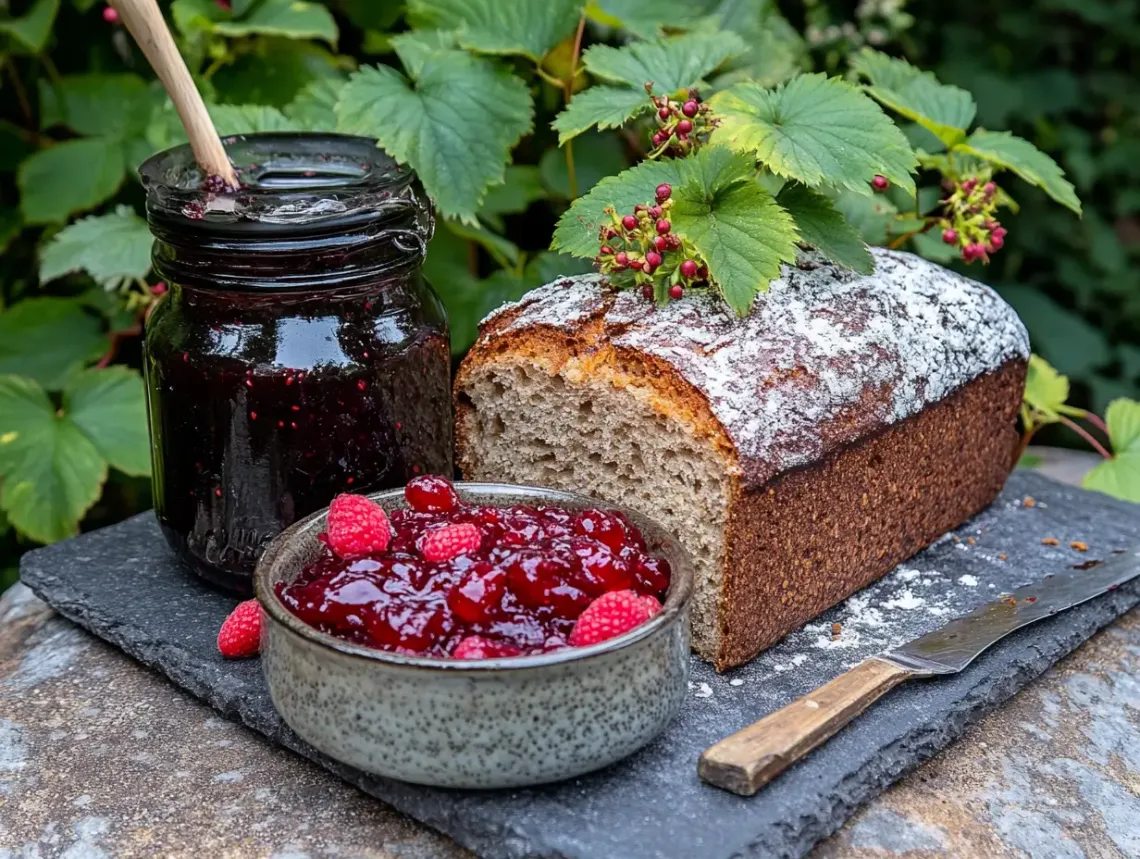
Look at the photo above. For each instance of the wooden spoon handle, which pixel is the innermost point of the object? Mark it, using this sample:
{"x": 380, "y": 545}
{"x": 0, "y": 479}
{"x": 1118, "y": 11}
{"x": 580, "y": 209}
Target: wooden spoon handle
{"x": 753, "y": 756}
{"x": 145, "y": 23}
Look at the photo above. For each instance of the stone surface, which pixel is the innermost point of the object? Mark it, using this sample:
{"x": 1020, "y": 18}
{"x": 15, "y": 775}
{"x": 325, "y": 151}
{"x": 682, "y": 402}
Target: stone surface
{"x": 652, "y": 805}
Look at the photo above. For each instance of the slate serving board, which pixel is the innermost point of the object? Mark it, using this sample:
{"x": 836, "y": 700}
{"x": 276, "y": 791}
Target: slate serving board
{"x": 123, "y": 584}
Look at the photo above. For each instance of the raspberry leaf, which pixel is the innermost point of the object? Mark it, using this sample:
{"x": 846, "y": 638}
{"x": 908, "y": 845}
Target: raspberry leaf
{"x": 291, "y": 19}
{"x": 165, "y": 129}
{"x": 529, "y": 28}
{"x": 113, "y": 249}
{"x": 815, "y": 129}
{"x": 314, "y": 107}
{"x": 647, "y": 18}
{"x": 1026, "y": 160}
{"x": 50, "y": 472}
{"x": 736, "y": 224}
{"x": 823, "y": 227}
{"x": 109, "y": 407}
{"x": 31, "y": 31}
{"x": 71, "y": 176}
{"x": 946, "y": 111}
{"x": 1046, "y": 390}
{"x": 601, "y": 106}
{"x": 670, "y": 64}
{"x": 113, "y": 106}
{"x": 577, "y": 230}
{"x": 1120, "y": 476}
{"x": 521, "y": 187}
{"x": 48, "y": 339}
{"x": 415, "y": 46}
{"x": 455, "y": 125}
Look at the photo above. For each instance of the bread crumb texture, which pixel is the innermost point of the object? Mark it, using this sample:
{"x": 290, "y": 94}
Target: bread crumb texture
{"x": 753, "y": 439}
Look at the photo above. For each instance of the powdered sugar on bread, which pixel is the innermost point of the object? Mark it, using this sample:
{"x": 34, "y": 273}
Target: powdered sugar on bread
{"x": 826, "y": 356}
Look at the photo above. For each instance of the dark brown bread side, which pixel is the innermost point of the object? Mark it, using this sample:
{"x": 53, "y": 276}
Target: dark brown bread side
{"x": 814, "y": 536}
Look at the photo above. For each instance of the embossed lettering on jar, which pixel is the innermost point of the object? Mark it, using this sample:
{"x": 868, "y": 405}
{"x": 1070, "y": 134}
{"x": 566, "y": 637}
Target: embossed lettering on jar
{"x": 299, "y": 352}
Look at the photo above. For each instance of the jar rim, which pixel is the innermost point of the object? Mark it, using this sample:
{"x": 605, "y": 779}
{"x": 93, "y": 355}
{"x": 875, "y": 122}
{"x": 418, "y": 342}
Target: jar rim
{"x": 294, "y": 184}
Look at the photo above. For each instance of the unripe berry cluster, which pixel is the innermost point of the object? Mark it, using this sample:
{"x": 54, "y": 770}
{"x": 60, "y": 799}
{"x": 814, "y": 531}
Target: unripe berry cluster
{"x": 682, "y": 125}
{"x": 641, "y": 250}
{"x": 968, "y": 222}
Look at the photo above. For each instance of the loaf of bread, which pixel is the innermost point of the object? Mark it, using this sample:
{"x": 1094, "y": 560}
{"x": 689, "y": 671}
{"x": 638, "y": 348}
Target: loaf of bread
{"x": 798, "y": 453}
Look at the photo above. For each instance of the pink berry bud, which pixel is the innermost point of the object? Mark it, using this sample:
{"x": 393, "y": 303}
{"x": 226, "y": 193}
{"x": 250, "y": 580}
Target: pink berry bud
{"x": 989, "y": 188}
{"x": 654, "y": 212}
{"x": 969, "y": 185}
{"x": 110, "y": 15}
{"x": 690, "y": 108}
{"x": 672, "y": 242}
{"x": 611, "y": 233}
{"x": 880, "y": 183}
{"x": 635, "y": 264}
{"x": 664, "y": 192}
{"x": 996, "y": 242}
{"x": 688, "y": 269}
{"x": 653, "y": 259}
{"x": 664, "y": 113}
{"x": 684, "y": 127}
{"x": 676, "y": 291}
{"x": 703, "y": 273}
{"x": 661, "y": 243}
{"x": 663, "y": 227}
{"x": 629, "y": 222}
{"x": 622, "y": 259}
{"x": 658, "y": 139}
{"x": 647, "y": 292}
{"x": 607, "y": 250}
{"x": 1000, "y": 232}
{"x": 950, "y": 236}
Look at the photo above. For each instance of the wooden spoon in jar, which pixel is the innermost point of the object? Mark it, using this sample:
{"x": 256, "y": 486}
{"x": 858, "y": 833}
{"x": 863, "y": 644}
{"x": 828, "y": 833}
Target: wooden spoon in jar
{"x": 145, "y": 23}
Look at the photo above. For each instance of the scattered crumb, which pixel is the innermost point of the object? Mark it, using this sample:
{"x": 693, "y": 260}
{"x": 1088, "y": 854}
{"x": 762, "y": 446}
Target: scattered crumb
{"x": 836, "y": 629}
{"x": 969, "y": 581}
{"x": 1079, "y": 546}
{"x": 1051, "y": 541}
{"x": 1003, "y": 556}
{"x": 971, "y": 541}
{"x": 956, "y": 539}
{"x": 990, "y": 585}
{"x": 701, "y": 690}
{"x": 735, "y": 681}
{"x": 1009, "y": 599}
{"x": 1028, "y": 502}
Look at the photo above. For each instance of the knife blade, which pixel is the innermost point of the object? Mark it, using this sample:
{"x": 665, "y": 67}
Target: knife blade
{"x": 753, "y": 756}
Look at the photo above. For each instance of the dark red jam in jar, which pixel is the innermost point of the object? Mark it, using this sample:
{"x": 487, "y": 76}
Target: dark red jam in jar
{"x": 298, "y": 352}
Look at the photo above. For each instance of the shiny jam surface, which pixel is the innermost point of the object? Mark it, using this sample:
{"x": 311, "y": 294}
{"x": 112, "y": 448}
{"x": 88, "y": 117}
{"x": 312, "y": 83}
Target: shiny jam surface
{"x": 535, "y": 571}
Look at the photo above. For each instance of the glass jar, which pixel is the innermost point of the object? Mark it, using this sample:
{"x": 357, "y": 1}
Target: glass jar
{"x": 298, "y": 352}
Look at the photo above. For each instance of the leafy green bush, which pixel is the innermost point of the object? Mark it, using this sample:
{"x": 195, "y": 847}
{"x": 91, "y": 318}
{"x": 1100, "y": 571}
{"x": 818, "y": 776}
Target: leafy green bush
{"x": 510, "y": 113}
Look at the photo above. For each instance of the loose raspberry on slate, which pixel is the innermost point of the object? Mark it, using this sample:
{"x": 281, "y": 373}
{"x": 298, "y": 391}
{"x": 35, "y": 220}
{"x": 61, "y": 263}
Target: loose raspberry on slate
{"x": 609, "y": 616}
{"x": 450, "y": 541}
{"x": 478, "y": 647}
{"x": 431, "y": 493}
{"x": 240, "y": 635}
{"x": 357, "y": 526}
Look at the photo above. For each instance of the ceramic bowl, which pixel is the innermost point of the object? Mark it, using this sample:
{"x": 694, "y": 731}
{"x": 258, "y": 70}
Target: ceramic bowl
{"x": 491, "y": 723}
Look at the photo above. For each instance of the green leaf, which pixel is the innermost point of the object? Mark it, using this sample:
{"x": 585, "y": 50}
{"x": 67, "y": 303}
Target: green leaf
{"x": 736, "y": 225}
{"x": 69, "y": 177}
{"x": 109, "y": 407}
{"x": 1024, "y": 159}
{"x": 1062, "y": 337}
{"x": 48, "y": 339}
{"x": 314, "y": 108}
{"x": 1120, "y": 476}
{"x": 871, "y": 216}
{"x": 601, "y": 106}
{"x": 503, "y": 251}
{"x": 415, "y": 46}
{"x": 455, "y": 126}
{"x": 114, "y": 249}
{"x": 166, "y": 129}
{"x": 274, "y": 71}
{"x": 577, "y": 230}
{"x": 51, "y": 471}
{"x": 31, "y": 31}
{"x": 1046, "y": 390}
{"x": 823, "y": 227}
{"x": 293, "y": 19}
{"x": 670, "y": 64}
{"x": 946, "y": 111}
{"x": 113, "y": 106}
{"x": 815, "y": 129}
{"x": 776, "y": 50}
{"x": 596, "y": 156}
{"x": 646, "y": 18}
{"x": 528, "y": 28}
{"x": 522, "y": 186}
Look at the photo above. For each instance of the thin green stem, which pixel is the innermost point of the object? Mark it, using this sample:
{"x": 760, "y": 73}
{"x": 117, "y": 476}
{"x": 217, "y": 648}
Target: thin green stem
{"x": 21, "y": 93}
{"x": 49, "y": 64}
{"x": 571, "y": 174}
{"x": 549, "y": 78}
{"x": 1086, "y": 435}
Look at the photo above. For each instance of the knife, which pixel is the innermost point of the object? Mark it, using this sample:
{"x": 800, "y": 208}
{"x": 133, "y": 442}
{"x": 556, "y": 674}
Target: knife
{"x": 753, "y": 756}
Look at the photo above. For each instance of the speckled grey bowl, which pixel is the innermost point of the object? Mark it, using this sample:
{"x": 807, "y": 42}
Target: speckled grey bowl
{"x": 489, "y": 723}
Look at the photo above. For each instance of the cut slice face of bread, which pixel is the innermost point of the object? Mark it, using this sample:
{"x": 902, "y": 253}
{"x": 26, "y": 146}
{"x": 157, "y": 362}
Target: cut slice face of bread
{"x": 798, "y": 453}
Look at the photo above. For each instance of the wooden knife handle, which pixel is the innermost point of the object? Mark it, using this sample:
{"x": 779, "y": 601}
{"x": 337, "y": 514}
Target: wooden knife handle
{"x": 753, "y": 756}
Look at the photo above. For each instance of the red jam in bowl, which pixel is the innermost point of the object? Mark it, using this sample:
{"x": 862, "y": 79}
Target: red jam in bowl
{"x": 458, "y": 581}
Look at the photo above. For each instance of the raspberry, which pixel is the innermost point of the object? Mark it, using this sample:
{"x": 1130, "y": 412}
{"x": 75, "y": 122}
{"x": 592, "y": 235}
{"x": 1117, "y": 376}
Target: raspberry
{"x": 950, "y": 236}
{"x": 661, "y": 243}
{"x": 431, "y": 493}
{"x": 676, "y": 291}
{"x": 652, "y": 604}
{"x": 880, "y": 183}
{"x": 659, "y": 138}
{"x": 240, "y": 635}
{"x": 450, "y": 541}
{"x": 478, "y": 647}
{"x": 611, "y": 615}
{"x": 111, "y": 16}
{"x": 214, "y": 184}
{"x": 664, "y": 113}
{"x": 663, "y": 227}
{"x": 653, "y": 259}
{"x": 478, "y": 593}
{"x": 689, "y": 269}
{"x": 664, "y": 192}
{"x": 684, "y": 127}
{"x": 690, "y": 108}
{"x": 357, "y": 526}
{"x": 629, "y": 222}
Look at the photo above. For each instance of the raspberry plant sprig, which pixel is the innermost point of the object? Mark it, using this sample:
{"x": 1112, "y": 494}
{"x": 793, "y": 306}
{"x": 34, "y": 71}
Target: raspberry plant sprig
{"x": 969, "y": 218}
{"x": 683, "y": 123}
